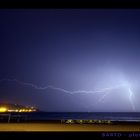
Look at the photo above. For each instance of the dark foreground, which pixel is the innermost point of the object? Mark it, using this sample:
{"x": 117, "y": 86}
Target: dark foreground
{"x": 61, "y": 131}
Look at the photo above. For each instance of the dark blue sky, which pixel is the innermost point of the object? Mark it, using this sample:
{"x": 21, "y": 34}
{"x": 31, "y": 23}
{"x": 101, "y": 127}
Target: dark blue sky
{"x": 74, "y": 50}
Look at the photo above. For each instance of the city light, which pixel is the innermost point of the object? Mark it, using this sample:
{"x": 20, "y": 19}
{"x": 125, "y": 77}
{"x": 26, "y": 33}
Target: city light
{"x": 6, "y": 109}
{"x": 3, "y": 109}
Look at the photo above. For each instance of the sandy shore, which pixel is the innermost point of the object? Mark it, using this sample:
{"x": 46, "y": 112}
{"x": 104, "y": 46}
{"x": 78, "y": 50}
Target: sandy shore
{"x": 67, "y": 127}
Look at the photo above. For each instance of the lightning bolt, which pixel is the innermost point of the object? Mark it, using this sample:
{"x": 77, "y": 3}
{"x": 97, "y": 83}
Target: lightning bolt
{"x": 131, "y": 95}
{"x": 102, "y": 98}
{"x": 60, "y": 89}
{"x": 104, "y": 91}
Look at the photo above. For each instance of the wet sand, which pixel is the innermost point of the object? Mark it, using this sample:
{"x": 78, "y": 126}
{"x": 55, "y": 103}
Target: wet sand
{"x": 57, "y": 127}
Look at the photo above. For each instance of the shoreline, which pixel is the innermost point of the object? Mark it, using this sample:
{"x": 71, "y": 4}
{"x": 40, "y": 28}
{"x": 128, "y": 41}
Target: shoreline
{"x": 45, "y": 127}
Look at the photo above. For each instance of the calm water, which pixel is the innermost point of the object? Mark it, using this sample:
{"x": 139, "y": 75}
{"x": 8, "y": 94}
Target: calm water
{"x": 75, "y": 115}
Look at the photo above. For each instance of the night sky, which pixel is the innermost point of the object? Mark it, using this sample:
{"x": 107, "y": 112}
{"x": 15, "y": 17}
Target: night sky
{"x": 71, "y": 60}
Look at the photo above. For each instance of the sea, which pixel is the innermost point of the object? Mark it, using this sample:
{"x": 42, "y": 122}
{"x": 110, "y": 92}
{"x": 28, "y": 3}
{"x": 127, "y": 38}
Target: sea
{"x": 112, "y": 116}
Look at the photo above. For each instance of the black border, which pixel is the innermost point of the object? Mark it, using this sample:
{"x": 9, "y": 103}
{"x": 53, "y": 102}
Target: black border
{"x": 69, "y": 135}
{"x": 43, "y": 4}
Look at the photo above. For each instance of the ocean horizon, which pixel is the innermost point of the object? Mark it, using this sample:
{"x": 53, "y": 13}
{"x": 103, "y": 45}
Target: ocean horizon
{"x": 112, "y": 116}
